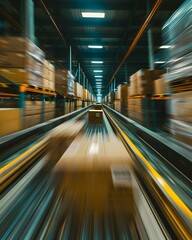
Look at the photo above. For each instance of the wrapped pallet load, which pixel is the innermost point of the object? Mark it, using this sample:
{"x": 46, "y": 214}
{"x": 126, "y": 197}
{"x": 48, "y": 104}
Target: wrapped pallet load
{"x": 64, "y": 82}
{"x": 21, "y": 61}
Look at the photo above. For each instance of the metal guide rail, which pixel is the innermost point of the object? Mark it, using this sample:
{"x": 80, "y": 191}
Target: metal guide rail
{"x": 163, "y": 173}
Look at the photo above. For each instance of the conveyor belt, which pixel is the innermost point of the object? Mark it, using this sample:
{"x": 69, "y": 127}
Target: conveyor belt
{"x": 32, "y": 206}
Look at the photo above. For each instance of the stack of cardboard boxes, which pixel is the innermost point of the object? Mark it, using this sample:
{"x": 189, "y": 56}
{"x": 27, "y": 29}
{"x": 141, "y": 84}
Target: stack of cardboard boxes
{"x": 141, "y": 82}
{"x": 49, "y": 110}
{"x": 78, "y": 90}
{"x": 32, "y": 113}
{"x": 64, "y": 82}
{"x": 48, "y": 75}
{"x": 120, "y": 103}
{"x": 177, "y": 35}
{"x": 141, "y": 108}
{"x": 21, "y": 61}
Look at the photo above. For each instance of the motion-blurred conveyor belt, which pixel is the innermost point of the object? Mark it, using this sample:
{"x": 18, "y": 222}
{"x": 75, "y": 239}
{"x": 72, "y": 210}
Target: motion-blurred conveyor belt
{"x": 34, "y": 207}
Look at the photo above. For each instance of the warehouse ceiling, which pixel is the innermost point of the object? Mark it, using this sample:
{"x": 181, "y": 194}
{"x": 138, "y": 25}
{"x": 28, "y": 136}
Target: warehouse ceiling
{"x": 115, "y": 33}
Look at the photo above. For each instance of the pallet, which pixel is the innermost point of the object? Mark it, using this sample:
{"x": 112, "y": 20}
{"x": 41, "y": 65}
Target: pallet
{"x": 137, "y": 96}
{"x": 161, "y": 96}
{"x": 182, "y": 88}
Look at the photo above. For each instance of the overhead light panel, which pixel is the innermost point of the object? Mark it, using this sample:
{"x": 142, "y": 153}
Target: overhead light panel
{"x": 93, "y": 14}
{"x": 98, "y": 76}
{"x": 99, "y": 62}
{"x": 98, "y": 79}
{"x": 97, "y": 70}
{"x": 165, "y": 46}
{"x": 160, "y": 62}
{"x": 94, "y": 46}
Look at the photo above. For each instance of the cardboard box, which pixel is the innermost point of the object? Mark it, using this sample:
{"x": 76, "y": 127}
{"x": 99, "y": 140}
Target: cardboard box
{"x": 95, "y": 116}
{"x": 159, "y": 86}
{"x": 85, "y": 92}
{"x": 122, "y": 92}
{"x": 97, "y": 107}
{"x": 96, "y": 176}
{"x": 10, "y": 121}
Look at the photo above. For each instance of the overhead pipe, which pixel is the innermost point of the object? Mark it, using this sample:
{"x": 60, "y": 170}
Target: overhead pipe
{"x": 138, "y": 36}
{"x": 53, "y": 21}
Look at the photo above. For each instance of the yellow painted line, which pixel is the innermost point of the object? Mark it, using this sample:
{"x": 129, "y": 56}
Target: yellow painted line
{"x": 17, "y": 159}
{"x": 163, "y": 183}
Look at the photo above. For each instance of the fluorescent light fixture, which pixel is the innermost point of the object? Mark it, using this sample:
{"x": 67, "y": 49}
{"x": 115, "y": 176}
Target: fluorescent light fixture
{"x": 98, "y": 83}
{"x": 99, "y": 62}
{"x": 94, "y": 46}
{"x": 160, "y": 62}
{"x": 98, "y": 76}
{"x": 165, "y": 46}
{"x": 93, "y": 14}
{"x": 98, "y": 80}
{"x": 97, "y": 70}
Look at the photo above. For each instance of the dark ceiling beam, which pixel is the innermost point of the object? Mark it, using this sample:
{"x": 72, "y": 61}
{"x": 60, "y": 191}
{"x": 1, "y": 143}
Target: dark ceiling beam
{"x": 96, "y": 5}
{"x": 84, "y": 23}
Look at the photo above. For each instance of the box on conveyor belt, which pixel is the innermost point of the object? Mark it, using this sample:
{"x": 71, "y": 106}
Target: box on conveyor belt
{"x": 61, "y": 137}
{"x": 95, "y": 116}
{"x": 159, "y": 86}
{"x": 181, "y": 106}
{"x": 21, "y": 76}
{"x": 97, "y": 107}
{"x": 96, "y": 176}
{"x": 10, "y": 121}
{"x": 21, "y": 45}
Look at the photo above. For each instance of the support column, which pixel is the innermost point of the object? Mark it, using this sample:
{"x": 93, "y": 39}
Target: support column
{"x": 150, "y": 42}
{"x": 29, "y": 23}
{"x": 79, "y": 76}
{"x": 70, "y": 59}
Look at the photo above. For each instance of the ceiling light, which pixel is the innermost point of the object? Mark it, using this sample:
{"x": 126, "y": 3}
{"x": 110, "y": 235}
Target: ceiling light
{"x": 98, "y": 76}
{"x": 165, "y": 46}
{"x": 97, "y": 70}
{"x": 97, "y": 83}
{"x": 160, "y": 62}
{"x": 96, "y": 61}
{"x": 94, "y": 46}
{"x": 93, "y": 14}
{"x": 98, "y": 80}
